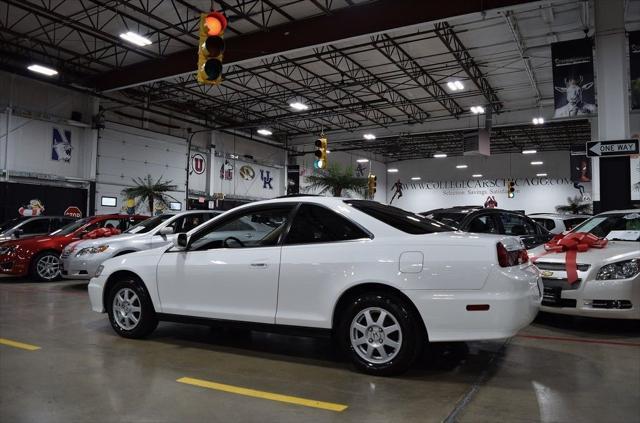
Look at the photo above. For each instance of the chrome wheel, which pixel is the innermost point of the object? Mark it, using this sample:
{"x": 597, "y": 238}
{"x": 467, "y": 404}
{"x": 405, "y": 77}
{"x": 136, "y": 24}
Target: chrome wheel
{"x": 48, "y": 267}
{"x": 126, "y": 309}
{"x": 376, "y": 335}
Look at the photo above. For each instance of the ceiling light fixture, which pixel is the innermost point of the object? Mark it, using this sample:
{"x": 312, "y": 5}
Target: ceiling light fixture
{"x": 369, "y": 137}
{"x": 462, "y": 166}
{"x": 477, "y": 110}
{"x": 43, "y": 70}
{"x": 541, "y": 174}
{"x": 532, "y": 151}
{"x": 440, "y": 155}
{"x": 415, "y": 178}
{"x": 455, "y": 85}
{"x": 299, "y": 106}
{"x": 477, "y": 175}
{"x": 362, "y": 160}
{"x": 265, "y": 132}
{"x": 392, "y": 170}
{"x": 538, "y": 120}
{"x": 136, "y": 39}
{"x": 537, "y": 163}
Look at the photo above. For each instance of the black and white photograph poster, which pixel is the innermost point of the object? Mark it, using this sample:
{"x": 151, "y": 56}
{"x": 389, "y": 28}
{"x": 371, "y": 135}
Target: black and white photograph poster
{"x": 634, "y": 68}
{"x": 574, "y": 91}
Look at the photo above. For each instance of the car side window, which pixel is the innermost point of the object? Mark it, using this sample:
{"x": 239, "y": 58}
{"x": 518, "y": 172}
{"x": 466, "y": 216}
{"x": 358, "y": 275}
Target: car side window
{"x": 548, "y": 224}
{"x": 313, "y": 224}
{"x": 517, "y": 225}
{"x": 113, "y": 223}
{"x": 256, "y": 227}
{"x": 58, "y": 223}
{"x": 37, "y": 226}
{"x": 484, "y": 224}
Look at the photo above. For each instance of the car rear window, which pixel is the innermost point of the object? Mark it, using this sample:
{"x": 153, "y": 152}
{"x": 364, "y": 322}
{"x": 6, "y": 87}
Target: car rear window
{"x": 548, "y": 224}
{"x": 402, "y": 220}
{"x": 453, "y": 219}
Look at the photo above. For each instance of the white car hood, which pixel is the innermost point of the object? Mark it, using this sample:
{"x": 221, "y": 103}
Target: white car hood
{"x": 613, "y": 252}
{"x": 104, "y": 240}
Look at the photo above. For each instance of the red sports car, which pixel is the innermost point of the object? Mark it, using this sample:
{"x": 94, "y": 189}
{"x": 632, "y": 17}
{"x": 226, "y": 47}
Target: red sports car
{"x": 40, "y": 256}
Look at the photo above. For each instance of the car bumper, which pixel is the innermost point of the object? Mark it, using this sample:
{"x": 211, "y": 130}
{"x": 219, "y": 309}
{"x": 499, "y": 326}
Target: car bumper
{"x": 75, "y": 268}
{"x": 513, "y": 298}
{"x": 12, "y": 264}
{"x": 95, "y": 289}
{"x": 612, "y": 299}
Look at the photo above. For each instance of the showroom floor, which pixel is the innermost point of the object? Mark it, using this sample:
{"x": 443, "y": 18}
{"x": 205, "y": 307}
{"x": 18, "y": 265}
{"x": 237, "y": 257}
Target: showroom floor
{"x": 559, "y": 369}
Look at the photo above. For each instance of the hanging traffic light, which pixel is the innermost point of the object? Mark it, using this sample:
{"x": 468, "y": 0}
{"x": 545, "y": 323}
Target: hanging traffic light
{"x": 211, "y": 48}
{"x": 511, "y": 189}
{"x": 371, "y": 185}
{"x": 321, "y": 154}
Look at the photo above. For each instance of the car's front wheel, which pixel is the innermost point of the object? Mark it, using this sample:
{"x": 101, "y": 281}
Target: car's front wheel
{"x": 130, "y": 310}
{"x": 45, "y": 267}
{"x": 381, "y": 334}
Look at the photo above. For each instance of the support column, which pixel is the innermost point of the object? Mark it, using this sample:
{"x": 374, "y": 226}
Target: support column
{"x": 613, "y": 104}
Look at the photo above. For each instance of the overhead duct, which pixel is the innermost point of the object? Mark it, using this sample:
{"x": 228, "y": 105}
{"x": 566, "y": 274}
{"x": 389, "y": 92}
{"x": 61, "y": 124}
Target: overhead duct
{"x": 476, "y": 143}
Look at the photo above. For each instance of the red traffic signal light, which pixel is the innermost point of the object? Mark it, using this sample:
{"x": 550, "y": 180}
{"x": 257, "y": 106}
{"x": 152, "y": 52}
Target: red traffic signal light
{"x": 211, "y": 48}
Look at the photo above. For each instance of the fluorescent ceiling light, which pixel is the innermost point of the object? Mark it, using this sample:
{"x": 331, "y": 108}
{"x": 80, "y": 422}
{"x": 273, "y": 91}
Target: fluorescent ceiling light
{"x": 416, "y": 178}
{"x": 328, "y": 151}
{"x": 392, "y": 170}
{"x": 369, "y": 137}
{"x": 538, "y": 121}
{"x": 541, "y": 174}
{"x": 440, "y": 155}
{"x": 362, "y": 160}
{"x": 136, "y": 39}
{"x": 477, "y": 110}
{"x": 265, "y": 132}
{"x": 43, "y": 70}
{"x": 455, "y": 85}
{"x": 296, "y": 105}
{"x": 537, "y": 163}
{"x": 463, "y": 166}
{"x": 529, "y": 151}
{"x": 477, "y": 175}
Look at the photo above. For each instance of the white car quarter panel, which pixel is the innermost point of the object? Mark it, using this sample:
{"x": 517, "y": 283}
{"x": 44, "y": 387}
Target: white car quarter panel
{"x": 411, "y": 262}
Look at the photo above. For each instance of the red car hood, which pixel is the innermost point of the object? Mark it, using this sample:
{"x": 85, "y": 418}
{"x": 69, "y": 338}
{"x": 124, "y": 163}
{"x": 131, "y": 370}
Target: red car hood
{"x": 37, "y": 241}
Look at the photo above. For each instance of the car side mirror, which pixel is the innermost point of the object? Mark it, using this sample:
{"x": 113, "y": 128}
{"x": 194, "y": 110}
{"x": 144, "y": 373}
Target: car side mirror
{"x": 167, "y": 230}
{"x": 181, "y": 242}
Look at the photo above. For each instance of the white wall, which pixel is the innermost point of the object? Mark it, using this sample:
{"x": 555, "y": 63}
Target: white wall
{"x": 442, "y": 185}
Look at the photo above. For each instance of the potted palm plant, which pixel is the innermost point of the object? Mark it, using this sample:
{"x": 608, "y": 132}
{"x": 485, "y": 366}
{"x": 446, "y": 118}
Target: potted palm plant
{"x": 337, "y": 180}
{"x": 575, "y": 206}
{"x": 148, "y": 190}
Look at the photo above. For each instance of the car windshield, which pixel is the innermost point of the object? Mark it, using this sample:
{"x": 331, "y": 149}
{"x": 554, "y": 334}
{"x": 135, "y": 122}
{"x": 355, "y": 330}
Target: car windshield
{"x": 149, "y": 224}
{"x": 614, "y": 226}
{"x": 403, "y": 220}
{"x": 11, "y": 223}
{"x": 71, "y": 227}
{"x": 449, "y": 218}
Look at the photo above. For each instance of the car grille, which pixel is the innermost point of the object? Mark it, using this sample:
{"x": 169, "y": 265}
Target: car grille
{"x": 612, "y": 304}
{"x": 562, "y": 283}
{"x": 552, "y": 298}
{"x": 560, "y": 266}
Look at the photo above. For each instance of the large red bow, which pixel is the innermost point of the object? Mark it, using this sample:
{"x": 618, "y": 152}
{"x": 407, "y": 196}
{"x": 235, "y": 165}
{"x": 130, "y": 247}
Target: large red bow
{"x": 572, "y": 244}
{"x": 102, "y": 233}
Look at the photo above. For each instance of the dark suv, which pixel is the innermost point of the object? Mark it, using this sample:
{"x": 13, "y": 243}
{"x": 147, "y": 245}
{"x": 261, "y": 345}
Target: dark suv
{"x": 493, "y": 221}
{"x": 25, "y": 226}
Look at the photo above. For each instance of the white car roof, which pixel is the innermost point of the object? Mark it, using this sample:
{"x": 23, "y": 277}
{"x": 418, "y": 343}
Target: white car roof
{"x": 557, "y": 215}
{"x": 620, "y": 211}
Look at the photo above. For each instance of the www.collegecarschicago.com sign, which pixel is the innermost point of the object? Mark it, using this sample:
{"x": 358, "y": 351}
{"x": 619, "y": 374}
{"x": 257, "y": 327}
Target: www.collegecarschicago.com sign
{"x": 486, "y": 186}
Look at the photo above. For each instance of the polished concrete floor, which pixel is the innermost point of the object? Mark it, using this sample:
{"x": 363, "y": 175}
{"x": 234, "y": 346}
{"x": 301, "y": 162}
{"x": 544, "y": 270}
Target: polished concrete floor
{"x": 557, "y": 370}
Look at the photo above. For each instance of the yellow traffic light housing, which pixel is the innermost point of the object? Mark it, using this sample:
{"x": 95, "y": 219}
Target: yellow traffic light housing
{"x": 321, "y": 154}
{"x": 371, "y": 185}
{"x": 211, "y": 48}
{"x": 511, "y": 189}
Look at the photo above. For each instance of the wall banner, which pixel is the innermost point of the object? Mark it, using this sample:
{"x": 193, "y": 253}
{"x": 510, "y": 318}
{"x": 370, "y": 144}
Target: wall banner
{"x": 293, "y": 179}
{"x": 574, "y": 91}
{"x": 634, "y": 67}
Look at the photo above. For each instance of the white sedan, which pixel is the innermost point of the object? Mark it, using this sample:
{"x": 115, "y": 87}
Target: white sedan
{"x": 382, "y": 280}
{"x": 608, "y": 279}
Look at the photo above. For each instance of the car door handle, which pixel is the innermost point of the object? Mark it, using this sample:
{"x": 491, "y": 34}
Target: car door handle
{"x": 259, "y": 265}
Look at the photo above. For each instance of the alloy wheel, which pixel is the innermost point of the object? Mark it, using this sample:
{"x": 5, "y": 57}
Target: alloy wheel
{"x": 48, "y": 267}
{"x": 375, "y": 335}
{"x": 127, "y": 309}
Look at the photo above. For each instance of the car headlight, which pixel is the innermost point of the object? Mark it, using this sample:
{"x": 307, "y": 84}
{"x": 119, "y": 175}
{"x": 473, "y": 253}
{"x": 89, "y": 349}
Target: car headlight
{"x": 620, "y": 270}
{"x": 99, "y": 270}
{"x": 92, "y": 250}
{"x": 7, "y": 250}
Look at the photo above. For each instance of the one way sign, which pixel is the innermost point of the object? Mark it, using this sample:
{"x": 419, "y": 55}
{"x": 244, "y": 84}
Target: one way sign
{"x": 612, "y": 148}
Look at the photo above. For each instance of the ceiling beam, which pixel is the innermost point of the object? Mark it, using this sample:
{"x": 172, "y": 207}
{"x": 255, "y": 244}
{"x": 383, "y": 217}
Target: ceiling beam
{"x": 344, "y": 23}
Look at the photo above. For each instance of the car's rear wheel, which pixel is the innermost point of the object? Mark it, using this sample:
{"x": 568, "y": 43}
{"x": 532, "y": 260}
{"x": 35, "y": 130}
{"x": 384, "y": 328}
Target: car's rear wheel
{"x": 381, "y": 334}
{"x": 45, "y": 267}
{"x": 130, "y": 310}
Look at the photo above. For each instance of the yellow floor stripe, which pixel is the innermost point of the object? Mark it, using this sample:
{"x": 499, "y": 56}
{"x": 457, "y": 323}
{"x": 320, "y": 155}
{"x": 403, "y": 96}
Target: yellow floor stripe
{"x": 17, "y": 344}
{"x": 262, "y": 394}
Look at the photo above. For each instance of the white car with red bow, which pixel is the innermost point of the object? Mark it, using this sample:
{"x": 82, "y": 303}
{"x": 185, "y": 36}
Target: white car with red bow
{"x": 594, "y": 270}
{"x": 380, "y": 279}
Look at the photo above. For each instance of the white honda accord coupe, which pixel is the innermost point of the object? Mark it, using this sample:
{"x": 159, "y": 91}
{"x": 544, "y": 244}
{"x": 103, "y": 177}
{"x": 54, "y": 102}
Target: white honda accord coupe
{"x": 379, "y": 279}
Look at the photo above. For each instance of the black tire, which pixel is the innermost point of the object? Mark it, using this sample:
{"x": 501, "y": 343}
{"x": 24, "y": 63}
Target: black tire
{"x": 122, "y": 314}
{"x": 411, "y": 334}
{"x": 38, "y": 273}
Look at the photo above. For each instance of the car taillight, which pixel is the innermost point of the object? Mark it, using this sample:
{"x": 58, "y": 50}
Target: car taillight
{"x": 511, "y": 257}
